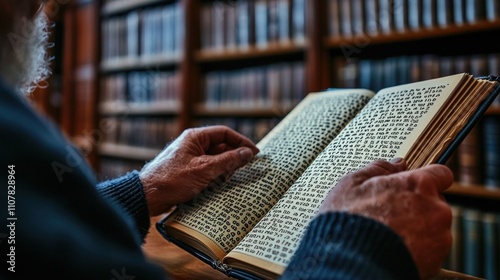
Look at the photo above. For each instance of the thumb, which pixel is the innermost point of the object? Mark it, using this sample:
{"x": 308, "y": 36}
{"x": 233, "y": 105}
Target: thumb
{"x": 229, "y": 161}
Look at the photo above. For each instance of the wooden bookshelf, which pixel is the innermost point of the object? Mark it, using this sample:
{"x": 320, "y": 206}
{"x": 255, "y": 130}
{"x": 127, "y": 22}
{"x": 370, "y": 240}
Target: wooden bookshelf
{"x": 474, "y": 191}
{"x": 127, "y": 152}
{"x": 493, "y": 110}
{"x": 194, "y": 62}
{"x": 272, "y": 50}
{"x": 150, "y": 63}
{"x": 415, "y": 35}
{"x": 153, "y": 108}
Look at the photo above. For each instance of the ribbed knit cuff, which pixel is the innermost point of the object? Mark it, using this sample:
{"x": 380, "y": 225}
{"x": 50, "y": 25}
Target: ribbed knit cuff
{"x": 128, "y": 193}
{"x": 346, "y": 246}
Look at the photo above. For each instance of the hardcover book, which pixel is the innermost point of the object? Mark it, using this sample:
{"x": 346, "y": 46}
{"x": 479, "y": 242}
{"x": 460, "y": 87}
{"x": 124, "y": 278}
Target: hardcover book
{"x": 250, "y": 225}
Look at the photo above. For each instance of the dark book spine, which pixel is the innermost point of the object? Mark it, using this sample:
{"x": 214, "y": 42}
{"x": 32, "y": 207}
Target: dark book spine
{"x": 491, "y": 245}
{"x": 473, "y": 255}
{"x": 491, "y": 144}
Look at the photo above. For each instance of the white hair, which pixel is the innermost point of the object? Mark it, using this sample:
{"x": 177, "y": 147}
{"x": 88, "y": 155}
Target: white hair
{"x": 25, "y": 59}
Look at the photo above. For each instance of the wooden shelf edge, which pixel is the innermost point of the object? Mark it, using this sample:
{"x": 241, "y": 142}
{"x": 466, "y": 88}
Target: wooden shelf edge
{"x": 250, "y": 52}
{"x": 148, "y": 63}
{"x": 413, "y": 35}
{"x": 202, "y": 110}
{"x": 473, "y": 191}
{"x": 121, "y": 6}
{"x": 493, "y": 110}
{"x": 127, "y": 152}
{"x": 147, "y": 108}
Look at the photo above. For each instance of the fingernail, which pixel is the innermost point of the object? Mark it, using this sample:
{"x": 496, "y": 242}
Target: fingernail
{"x": 396, "y": 160}
{"x": 246, "y": 154}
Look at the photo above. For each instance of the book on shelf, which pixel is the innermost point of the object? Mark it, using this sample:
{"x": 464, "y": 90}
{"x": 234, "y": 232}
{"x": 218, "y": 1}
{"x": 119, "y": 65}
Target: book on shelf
{"x": 459, "y": 12}
{"x": 490, "y": 142}
{"x": 475, "y": 245}
{"x": 444, "y": 12}
{"x": 400, "y": 13}
{"x": 371, "y": 17}
{"x": 386, "y": 16}
{"x": 473, "y": 251}
{"x": 250, "y": 225}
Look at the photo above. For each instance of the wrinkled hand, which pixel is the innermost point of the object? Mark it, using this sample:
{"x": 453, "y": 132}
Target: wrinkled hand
{"x": 409, "y": 202}
{"x": 196, "y": 158}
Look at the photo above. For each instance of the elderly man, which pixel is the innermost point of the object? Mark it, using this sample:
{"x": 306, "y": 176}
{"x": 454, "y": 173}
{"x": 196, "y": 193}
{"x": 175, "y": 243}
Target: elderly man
{"x": 76, "y": 228}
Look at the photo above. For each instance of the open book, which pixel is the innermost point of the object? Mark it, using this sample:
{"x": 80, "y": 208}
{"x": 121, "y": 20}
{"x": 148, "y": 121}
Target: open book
{"x": 250, "y": 225}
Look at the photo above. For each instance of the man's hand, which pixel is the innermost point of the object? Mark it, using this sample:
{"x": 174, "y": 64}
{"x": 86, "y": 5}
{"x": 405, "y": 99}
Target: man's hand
{"x": 198, "y": 157}
{"x": 409, "y": 202}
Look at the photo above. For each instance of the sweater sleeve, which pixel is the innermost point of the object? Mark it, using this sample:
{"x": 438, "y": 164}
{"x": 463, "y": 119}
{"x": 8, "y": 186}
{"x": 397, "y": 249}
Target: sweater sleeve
{"x": 128, "y": 194}
{"x": 345, "y": 246}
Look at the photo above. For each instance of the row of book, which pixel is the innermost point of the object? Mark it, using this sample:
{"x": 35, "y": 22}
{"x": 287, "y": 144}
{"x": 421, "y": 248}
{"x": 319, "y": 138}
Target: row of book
{"x": 476, "y": 243}
{"x": 477, "y": 160}
{"x": 155, "y": 133}
{"x": 371, "y": 17}
{"x": 141, "y": 87}
{"x": 253, "y": 128}
{"x": 243, "y": 23}
{"x": 275, "y": 86}
{"x": 147, "y": 132}
{"x": 146, "y": 34}
{"x": 376, "y": 74}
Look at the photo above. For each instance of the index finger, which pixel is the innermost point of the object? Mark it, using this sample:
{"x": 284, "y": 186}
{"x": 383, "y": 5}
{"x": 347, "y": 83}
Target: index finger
{"x": 373, "y": 169}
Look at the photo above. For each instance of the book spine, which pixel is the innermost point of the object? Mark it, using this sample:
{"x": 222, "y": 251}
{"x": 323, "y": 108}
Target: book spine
{"x": 491, "y": 245}
{"x": 473, "y": 242}
{"x": 415, "y": 14}
{"x": 475, "y": 11}
{"x": 346, "y": 18}
{"x": 243, "y": 24}
{"x": 261, "y": 23}
{"x": 429, "y": 14}
{"x": 459, "y": 12}
{"x": 358, "y": 17}
{"x": 386, "y": 16}
{"x": 334, "y": 18}
{"x": 372, "y": 18}
{"x": 455, "y": 257}
{"x": 299, "y": 20}
{"x": 492, "y": 10}
{"x": 444, "y": 10}
{"x": 400, "y": 10}
{"x": 491, "y": 144}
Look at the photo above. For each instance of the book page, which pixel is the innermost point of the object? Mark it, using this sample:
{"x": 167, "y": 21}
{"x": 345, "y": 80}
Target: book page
{"x": 227, "y": 212}
{"x": 385, "y": 128}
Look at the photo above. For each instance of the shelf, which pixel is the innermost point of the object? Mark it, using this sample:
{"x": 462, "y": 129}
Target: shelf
{"x": 127, "y": 152}
{"x": 206, "y": 111}
{"x": 411, "y": 35}
{"x": 493, "y": 110}
{"x": 152, "y": 108}
{"x": 473, "y": 191}
{"x": 250, "y": 52}
{"x": 143, "y": 63}
{"x": 121, "y": 6}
